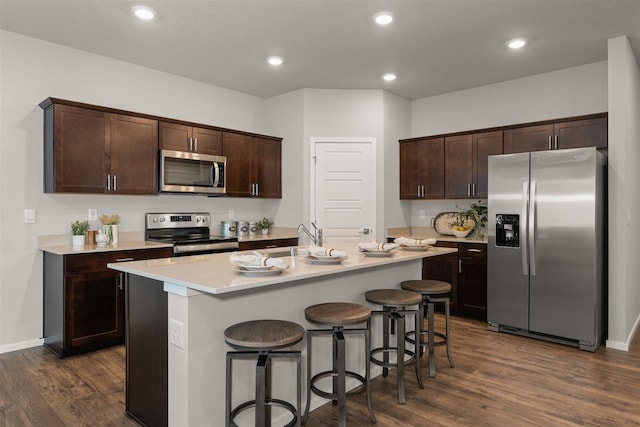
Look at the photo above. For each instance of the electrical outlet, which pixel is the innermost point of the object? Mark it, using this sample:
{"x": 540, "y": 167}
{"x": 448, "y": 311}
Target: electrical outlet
{"x": 232, "y": 213}
{"x": 92, "y": 215}
{"x": 176, "y": 333}
{"x": 423, "y": 214}
{"x": 29, "y": 216}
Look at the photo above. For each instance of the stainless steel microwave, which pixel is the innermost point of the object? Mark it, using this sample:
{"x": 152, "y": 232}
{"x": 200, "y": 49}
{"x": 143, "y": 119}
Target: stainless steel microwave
{"x": 184, "y": 172}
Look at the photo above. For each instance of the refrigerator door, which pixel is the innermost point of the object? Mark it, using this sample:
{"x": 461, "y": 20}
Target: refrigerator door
{"x": 563, "y": 260}
{"x": 507, "y": 267}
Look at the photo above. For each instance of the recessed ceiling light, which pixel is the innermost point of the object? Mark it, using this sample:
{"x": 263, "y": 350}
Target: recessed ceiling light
{"x": 274, "y": 60}
{"x": 143, "y": 12}
{"x": 516, "y": 43}
{"x": 389, "y": 77}
{"x": 383, "y": 18}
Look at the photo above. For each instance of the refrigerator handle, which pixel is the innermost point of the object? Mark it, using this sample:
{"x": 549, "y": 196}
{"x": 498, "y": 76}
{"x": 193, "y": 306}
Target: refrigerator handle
{"x": 523, "y": 232}
{"x": 532, "y": 229}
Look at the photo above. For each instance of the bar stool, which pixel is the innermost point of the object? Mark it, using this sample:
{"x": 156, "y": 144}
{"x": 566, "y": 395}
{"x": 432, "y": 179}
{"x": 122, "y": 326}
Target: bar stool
{"x": 338, "y": 315}
{"x": 394, "y": 304}
{"x": 259, "y": 339}
{"x": 430, "y": 289}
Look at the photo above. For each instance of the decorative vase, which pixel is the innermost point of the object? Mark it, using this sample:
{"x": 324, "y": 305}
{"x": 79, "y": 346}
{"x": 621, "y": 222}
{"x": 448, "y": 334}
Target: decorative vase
{"x": 111, "y": 230}
{"x": 265, "y": 231}
{"x": 77, "y": 240}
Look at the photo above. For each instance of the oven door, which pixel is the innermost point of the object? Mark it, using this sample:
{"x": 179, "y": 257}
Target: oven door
{"x": 183, "y": 172}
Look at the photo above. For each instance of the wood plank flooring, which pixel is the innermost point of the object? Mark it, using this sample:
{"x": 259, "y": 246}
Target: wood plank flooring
{"x": 499, "y": 380}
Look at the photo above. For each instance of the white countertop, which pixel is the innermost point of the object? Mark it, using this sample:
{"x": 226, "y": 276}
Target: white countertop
{"x": 214, "y": 274}
{"x": 430, "y": 233}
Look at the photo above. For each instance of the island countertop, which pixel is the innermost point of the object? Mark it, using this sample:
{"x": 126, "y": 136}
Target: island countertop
{"x": 214, "y": 273}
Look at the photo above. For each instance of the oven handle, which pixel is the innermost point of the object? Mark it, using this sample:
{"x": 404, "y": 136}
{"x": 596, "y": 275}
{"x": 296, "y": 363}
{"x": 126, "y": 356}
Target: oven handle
{"x": 221, "y": 246}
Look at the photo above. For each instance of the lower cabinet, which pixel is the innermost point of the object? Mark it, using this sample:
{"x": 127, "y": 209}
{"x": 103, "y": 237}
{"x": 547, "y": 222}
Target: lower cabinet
{"x": 84, "y": 300}
{"x": 266, "y": 244}
{"x": 467, "y": 273}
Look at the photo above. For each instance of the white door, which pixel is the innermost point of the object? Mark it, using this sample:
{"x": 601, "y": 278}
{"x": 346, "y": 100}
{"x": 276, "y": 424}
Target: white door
{"x": 343, "y": 187}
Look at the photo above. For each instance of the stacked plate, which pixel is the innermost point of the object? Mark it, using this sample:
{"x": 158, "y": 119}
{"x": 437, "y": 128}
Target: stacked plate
{"x": 325, "y": 259}
{"x": 382, "y": 253}
{"x": 258, "y": 270}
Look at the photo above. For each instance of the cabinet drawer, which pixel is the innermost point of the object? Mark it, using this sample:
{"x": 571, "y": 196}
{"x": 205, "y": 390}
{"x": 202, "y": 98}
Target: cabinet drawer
{"x": 444, "y": 244}
{"x": 473, "y": 250}
{"x": 94, "y": 262}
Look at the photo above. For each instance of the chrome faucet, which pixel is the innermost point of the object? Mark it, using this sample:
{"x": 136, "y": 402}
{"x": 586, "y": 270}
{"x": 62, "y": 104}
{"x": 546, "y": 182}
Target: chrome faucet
{"x": 316, "y": 238}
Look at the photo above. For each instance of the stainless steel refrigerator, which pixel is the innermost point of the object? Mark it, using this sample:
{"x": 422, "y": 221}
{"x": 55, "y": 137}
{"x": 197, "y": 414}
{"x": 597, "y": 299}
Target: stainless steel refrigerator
{"x": 547, "y": 245}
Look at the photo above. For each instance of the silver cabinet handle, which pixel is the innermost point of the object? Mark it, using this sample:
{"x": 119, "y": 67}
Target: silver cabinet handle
{"x": 108, "y": 182}
{"x": 468, "y": 190}
{"x": 120, "y": 280}
{"x": 549, "y": 142}
{"x": 124, "y": 259}
{"x": 422, "y": 191}
{"x": 115, "y": 182}
{"x": 418, "y": 191}
{"x": 195, "y": 144}
{"x": 190, "y": 144}
{"x": 459, "y": 266}
{"x": 257, "y": 189}
{"x": 473, "y": 189}
{"x": 555, "y": 137}
{"x": 474, "y": 250}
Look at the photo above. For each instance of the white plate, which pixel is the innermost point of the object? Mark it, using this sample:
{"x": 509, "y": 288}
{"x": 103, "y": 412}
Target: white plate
{"x": 377, "y": 251}
{"x": 325, "y": 256}
{"x": 255, "y": 267}
{"x": 250, "y": 273}
{"x": 380, "y": 254}
{"x": 326, "y": 260}
{"x": 416, "y": 248}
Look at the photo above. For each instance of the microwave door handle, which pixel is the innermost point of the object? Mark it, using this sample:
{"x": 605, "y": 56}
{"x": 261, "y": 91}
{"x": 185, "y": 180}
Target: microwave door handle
{"x": 216, "y": 174}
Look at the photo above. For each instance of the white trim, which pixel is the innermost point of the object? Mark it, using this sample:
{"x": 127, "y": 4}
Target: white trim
{"x": 183, "y": 291}
{"x": 21, "y": 345}
{"x": 312, "y": 173}
{"x": 624, "y": 346}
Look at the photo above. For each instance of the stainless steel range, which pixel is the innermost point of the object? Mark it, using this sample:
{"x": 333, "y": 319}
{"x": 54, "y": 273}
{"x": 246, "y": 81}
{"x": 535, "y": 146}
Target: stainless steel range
{"x": 189, "y": 233}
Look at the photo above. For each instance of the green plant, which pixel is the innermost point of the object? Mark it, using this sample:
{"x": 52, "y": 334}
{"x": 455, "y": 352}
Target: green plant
{"x": 264, "y": 224}
{"x": 79, "y": 228}
{"x": 477, "y": 211}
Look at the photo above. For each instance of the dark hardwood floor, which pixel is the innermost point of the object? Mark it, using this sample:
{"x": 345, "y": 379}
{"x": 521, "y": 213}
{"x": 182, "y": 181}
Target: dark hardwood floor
{"x": 499, "y": 380}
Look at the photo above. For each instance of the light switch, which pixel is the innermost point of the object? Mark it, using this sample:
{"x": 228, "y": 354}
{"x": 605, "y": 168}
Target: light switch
{"x": 29, "y": 216}
{"x": 422, "y": 214}
{"x": 92, "y": 215}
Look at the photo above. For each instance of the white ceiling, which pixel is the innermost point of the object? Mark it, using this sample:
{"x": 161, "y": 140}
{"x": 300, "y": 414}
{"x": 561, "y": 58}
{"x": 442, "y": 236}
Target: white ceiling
{"x": 434, "y": 46}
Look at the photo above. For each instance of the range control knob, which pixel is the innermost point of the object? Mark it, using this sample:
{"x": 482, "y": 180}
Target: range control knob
{"x": 155, "y": 219}
{"x": 198, "y": 219}
{"x": 161, "y": 219}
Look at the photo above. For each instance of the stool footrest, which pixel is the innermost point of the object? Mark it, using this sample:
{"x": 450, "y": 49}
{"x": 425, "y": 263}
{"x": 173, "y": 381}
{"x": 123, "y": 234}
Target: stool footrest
{"x": 334, "y": 396}
{"x": 390, "y": 349}
{"x": 269, "y": 402}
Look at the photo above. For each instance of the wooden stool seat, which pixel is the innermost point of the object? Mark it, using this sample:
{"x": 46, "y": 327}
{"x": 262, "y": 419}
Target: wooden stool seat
{"x": 393, "y": 297}
{"x": 337, "y": 313}
{"x": 427, "y": 287}
{"x": 263, "y": 334}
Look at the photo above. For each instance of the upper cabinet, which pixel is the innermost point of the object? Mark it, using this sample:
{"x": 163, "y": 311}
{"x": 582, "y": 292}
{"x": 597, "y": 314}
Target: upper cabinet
{"x": 253, "y": 165}
{"x": 466, "y": 163}
{"x": 588, "y": 132}
{"x": 93, "y": 151}
{"x": 179, "y": 137}
{"x": 422, "y": 168}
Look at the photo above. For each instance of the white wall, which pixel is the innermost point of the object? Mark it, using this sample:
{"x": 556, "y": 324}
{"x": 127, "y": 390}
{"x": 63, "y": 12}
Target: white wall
{"x": 32, "y": 70}
{"x": 569, "y": 92}
{"x": 624, "y": 200}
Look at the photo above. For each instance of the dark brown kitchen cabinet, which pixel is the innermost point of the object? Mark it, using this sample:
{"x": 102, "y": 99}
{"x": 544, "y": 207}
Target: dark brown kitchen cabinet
{"x": 422, "y": 168}
{"x": 266, "y": 243}
{"x": 254, "y": 166}
{"x": 179, "y": 137}
{"x": 93, "y": 151}
{"x": 466, "y": 163}
{"x": 84, "y": 300}
{"x": 467, "y": 273}
{"x": 472, "y": 279}
{"x": 586, "y": 132}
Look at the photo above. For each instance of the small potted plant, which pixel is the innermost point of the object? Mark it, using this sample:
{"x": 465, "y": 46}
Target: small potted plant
{"x": 78, "y": 230}
{"x": 264, "y": 225}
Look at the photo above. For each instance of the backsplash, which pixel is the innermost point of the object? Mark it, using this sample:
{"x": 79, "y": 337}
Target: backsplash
{"x": 422, "y": 211}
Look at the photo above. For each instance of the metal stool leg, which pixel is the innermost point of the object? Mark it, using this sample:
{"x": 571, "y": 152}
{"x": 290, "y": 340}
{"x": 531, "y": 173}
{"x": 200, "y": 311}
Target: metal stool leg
{"x": 227, "y": 400}
{"x": 419, "y": 319}
{"x": 446, "y": 308}
{"x": 386, "y": 320}
{"x": 306, "y": 410}
{"x": 431, "y": 339}
{"x": 339, "y": 380}
{"x": 400, "y": 356}
{"x": 367, "y": 346}
{"x": 262, "y": 379}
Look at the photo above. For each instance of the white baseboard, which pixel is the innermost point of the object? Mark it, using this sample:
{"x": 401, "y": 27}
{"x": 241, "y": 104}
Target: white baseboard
{"x": 624, "y": 346}
{"x": 21, "y": 345}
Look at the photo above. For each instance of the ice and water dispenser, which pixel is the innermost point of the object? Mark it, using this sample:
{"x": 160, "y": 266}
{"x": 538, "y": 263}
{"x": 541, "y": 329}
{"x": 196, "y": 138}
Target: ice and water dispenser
{"x": 508, "y": 230}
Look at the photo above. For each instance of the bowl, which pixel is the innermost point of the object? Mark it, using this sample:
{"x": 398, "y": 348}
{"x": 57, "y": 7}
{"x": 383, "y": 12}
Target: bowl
{"x": 459, "y": 233}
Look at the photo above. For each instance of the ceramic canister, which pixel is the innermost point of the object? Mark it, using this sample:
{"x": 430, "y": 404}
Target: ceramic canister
{"x": 253, "y": 228}
{"x": 228, "y": 228}
{"x": 243, "y": 228}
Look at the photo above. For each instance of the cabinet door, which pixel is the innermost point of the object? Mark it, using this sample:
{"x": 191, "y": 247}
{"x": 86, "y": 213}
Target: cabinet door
{"x": 445, "y": 268}
{"x": 93, "y": 305}
{"x": 207, "y": 141}
{"x": 582, "y": 133}
{"x": 239, "y": 152}
{"x": 267, "y": 168}
{"x": 472, "y": 279}
{"x": 484, "y": 145}
{"x": 173, "y": 136}
{"x": 528, "y": 138}
{"x": 79, "y": 148}
{"x": 409, "y": 170}
{"x": 458, "y": 178}
{"x": 432, "y": 155}
{"x": 134, "y": 155}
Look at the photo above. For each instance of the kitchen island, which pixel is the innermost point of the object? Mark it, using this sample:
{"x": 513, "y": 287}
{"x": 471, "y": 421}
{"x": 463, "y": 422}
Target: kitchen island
{"x": 202, "y": 295}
